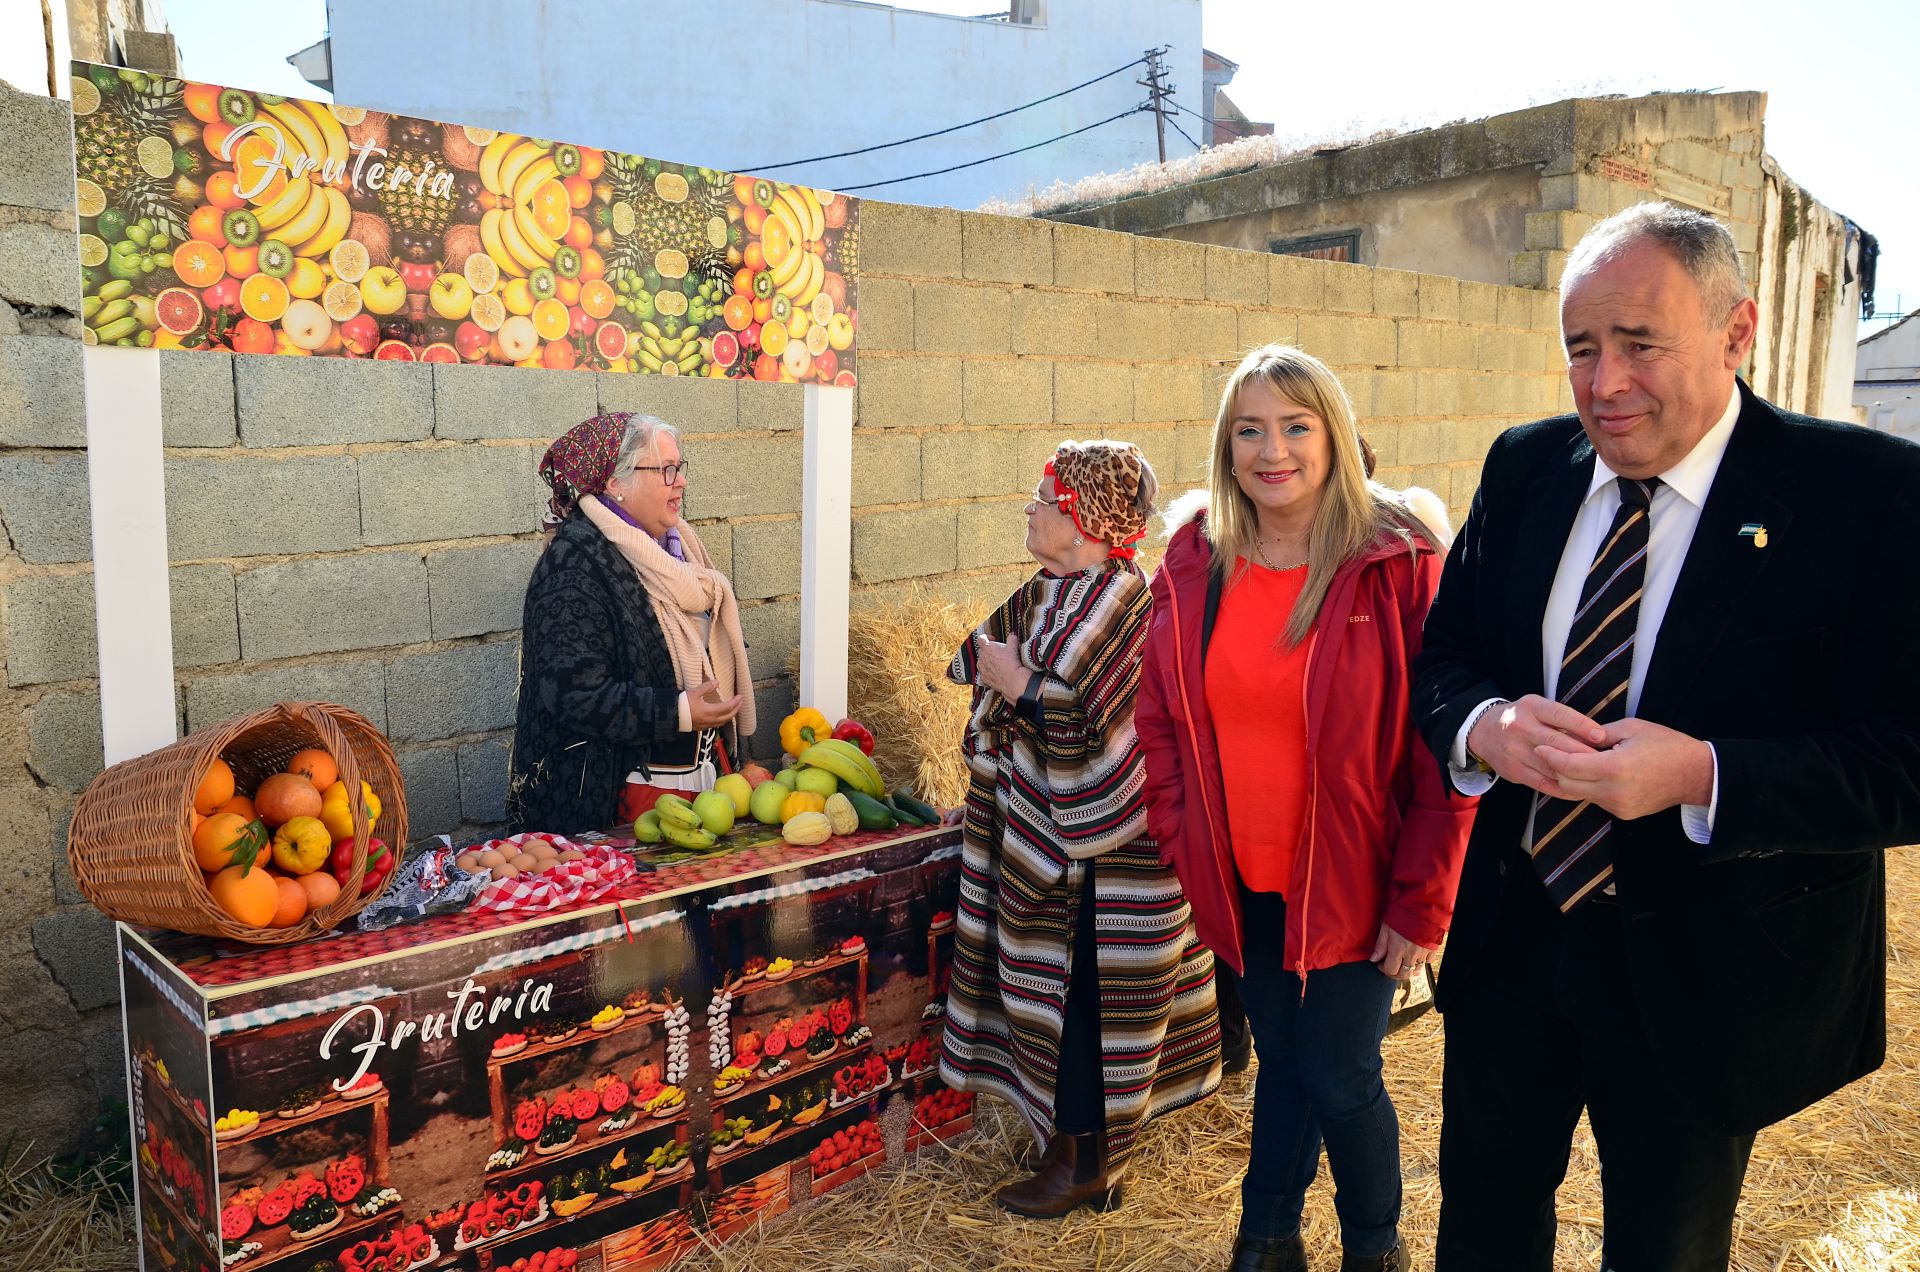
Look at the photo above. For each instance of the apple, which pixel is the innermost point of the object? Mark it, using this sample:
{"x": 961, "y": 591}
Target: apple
{"x": 582, "y": 323}
{"x": 818, "y": 781}
{"x": 224, "y": 294}
{"x": 471, "y": 342}
{"x": 517, "y": 297}
{"x": 417, "y": 275}
{"x": 517, "y": 338}
{"x": 715, "y": 810}
{"x": 840, "y": 332}
{"x": 736, "y": 788}
{"x": 360, "y": 334}
{"x": 796, "y": 360}
{"x": 826, "y": 365}
{"x": 382, "y": 292}
{"x": 451, "y": 297}
{"x": 306, "y": 324}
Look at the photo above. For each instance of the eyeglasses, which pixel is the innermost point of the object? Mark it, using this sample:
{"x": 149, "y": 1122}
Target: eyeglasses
{"x": 669, "y": 473}
{"x": 1051, "y": 501}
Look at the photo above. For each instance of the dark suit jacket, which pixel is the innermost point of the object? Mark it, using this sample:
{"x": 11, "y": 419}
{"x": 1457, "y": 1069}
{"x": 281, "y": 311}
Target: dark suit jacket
{"x": 1757, "y": 960}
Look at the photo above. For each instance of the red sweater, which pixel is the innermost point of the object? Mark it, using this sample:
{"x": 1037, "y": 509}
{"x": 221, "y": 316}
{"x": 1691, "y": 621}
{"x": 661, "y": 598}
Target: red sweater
{"x": 1384, "y": 834}
{"x": 1256, "y": 694}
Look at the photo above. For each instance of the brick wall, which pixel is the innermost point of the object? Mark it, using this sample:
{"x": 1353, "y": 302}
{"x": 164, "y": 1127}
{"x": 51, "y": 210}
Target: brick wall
{"x": 363, "y": 533}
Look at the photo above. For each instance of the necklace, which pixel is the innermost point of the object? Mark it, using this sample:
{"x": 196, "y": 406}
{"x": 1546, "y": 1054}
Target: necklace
{"x": 1266, "y": 561}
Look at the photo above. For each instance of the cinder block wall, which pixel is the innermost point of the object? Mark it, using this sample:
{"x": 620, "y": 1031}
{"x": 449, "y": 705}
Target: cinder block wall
{"x": 363, "y": 533}
{"x": 986, "y": 341}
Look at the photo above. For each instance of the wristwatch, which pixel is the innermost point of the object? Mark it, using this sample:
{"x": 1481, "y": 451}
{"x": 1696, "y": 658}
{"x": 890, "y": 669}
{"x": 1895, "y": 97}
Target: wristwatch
{"x": 1465, "y": 738}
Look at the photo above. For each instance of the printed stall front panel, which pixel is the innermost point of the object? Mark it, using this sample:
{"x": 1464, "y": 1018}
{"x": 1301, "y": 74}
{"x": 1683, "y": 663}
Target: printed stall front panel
{"x": 725, "y": 1039}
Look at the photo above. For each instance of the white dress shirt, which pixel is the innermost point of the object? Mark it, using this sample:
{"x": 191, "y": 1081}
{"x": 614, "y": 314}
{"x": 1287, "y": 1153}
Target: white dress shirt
{"x": 1674, "y": 515}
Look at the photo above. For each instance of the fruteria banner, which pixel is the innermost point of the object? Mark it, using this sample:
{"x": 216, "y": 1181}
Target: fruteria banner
{"x": 218, "y": 218}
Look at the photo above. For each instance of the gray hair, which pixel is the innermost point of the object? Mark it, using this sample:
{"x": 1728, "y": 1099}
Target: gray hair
{"x": 642, "y": 435}
{"x": 1701, "y": 244}
{"x": 1149, "y": 488}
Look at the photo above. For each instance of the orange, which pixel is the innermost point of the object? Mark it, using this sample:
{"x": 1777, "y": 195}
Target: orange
{"x": 317, "y": 765}
{"x": 205, "y": 225}
{"x": 775, "y": 242}
{"x": 592, "y": 264}
{"x": 322, "y": 889}
{"x": 592, "y": 162}
{"x": 550, "y": 319}
{"x": 743, "y": 189}
{"x": 203, "y": 102}
{"x": 301, "y": 846}
{"x": 239, "y": 804}
{"x": 214, "y": 138}
{"x": 290, "y": 904}
{"x": 217, "y": 839}
{"x": 253, "y": 158}
{"x": 550, "y": 208}
{"x": 243, "y": 262}
{"x": 597, "y": 298}
{"x": 773, "y": 339}
{"x": 285, "y": 796}
{"x": 198, "y": 262}
{"x": 194, "y": 820}
{"x": 738, "y": 312}
{"x": 753, "y": 218}
{"x": 216, "y": 788}
{"x": 567, "y": 291}
{"x": 264, "y": 298}
{"x": 250, "y": 896}
{"x": 755, "y": 260}
{"x": 579, "y": 191}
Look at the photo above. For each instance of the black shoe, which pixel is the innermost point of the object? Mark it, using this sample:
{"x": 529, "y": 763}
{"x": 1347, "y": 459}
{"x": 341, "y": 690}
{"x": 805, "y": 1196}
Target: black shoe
{"x": 1235, "y": 1055}
{"x": 1394, "y": 1260}
{"x": 1268, "y": 1254}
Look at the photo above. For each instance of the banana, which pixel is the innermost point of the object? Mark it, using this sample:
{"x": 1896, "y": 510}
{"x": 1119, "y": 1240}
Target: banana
{"x": 119, "y": 329}
{"x": 816, "y": 276}
{"x": 490, "y": 159}
{"x": 784, "y": 207}
{"x": 536, "y": 238}
{"x": 676, "y": 811}
{"x": 785, "y": 272}
{"x": 112, "y": 311}
{"x": 495, "y": 243}
{"x": 647, "y": 828}
{"x": 816, "y": 216}
{"x": 518, "y": 160}
{"x": 686, "y": 836}
{"x": 286, "y": 206}
{"x": 846, "y": 762}
{"x": 650, "y": 361}
{"x": 332, "y": 135}
{"x": 541, "y": 169}
{"x": 297, "y": 232}
{"x": 339, "y": 219}
{"x": 650, "y": 328}
{"x": 301, "y": 134}
{"x": 523, "y": 255}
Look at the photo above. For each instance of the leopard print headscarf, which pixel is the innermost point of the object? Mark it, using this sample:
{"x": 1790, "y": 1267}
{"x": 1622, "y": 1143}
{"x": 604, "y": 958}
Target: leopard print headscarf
{"x": 1098, "y": 485}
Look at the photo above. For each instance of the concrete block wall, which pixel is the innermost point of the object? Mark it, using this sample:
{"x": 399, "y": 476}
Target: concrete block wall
{"x": 986, "y": 341}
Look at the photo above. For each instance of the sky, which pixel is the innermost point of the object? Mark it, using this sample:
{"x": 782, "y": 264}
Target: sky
{"x": 1841, "y": 83}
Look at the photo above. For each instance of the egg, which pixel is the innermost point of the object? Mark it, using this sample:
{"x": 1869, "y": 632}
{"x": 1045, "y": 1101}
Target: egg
{"x": 524, "y": 862}
{"x": 492, "y": 857}
{"x": 467, "y": 860}
{"x": 504, "y": 871}
{"x": 541, "y": 848}
{"x": 573, "y": 854}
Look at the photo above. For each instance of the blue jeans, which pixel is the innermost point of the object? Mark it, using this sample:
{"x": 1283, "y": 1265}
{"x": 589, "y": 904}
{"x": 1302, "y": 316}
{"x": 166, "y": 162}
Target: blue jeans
{"x": 1319, "y": 1080}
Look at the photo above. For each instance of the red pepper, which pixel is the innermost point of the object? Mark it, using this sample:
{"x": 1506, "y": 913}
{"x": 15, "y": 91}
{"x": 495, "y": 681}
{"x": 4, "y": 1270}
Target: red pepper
{"x": 342, "y": 861}
{"x": 855, "y": 732}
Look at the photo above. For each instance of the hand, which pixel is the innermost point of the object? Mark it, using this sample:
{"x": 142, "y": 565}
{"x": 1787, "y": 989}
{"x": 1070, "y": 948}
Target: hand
{"x": 953, "y": 816}
{"x": 1396, "y": 956}
{"x": 1643, "y": 768}
{"x": 1509, "y": 738}
{"x": 707, "y": 709}
{"x": 998, "y": 667}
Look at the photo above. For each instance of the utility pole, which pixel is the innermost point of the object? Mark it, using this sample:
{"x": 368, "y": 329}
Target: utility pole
{"x": 1160, "y": 92}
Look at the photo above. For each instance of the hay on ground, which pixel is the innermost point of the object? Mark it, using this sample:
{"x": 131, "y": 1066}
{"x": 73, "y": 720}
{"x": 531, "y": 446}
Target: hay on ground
{"x": 51, "y": 1223}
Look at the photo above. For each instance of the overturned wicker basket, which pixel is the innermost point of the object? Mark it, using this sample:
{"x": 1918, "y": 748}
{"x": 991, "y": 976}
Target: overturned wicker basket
{"x": 131, "y": 846}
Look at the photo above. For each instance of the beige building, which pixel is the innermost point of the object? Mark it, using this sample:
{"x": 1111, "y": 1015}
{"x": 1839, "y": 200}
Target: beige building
{"x": 1503, "y": 199}
{"x": 1886, "y": 379}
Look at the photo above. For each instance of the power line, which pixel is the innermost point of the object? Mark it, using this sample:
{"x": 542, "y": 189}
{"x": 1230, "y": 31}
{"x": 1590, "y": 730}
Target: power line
{"x": 769, "y": 167}
{"x": 1228, "y": 124}
{"x": 874, "y": 185}
{"x": 1183, "y": 132}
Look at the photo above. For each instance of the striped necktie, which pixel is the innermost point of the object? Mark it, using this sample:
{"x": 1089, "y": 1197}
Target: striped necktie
{"x": 1569, "y": 838}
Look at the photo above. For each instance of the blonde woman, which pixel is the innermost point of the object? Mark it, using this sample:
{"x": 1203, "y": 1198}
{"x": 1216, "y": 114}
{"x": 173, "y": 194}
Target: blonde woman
{"x": 1285, "y": 784}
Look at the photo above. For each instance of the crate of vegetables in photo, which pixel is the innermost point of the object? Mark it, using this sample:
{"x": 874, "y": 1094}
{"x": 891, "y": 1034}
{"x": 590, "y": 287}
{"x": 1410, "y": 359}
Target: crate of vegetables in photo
{"x": 270, "y": 828}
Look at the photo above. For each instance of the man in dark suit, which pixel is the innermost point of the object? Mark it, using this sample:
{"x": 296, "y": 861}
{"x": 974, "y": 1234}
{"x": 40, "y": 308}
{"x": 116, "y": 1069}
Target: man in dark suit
{"x": 1672, "y": 645}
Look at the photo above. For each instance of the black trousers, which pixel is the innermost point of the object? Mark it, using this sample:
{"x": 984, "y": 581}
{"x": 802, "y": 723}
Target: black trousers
{"x": 1079, "y": 1090}
{"x": 1547, "y": 1027}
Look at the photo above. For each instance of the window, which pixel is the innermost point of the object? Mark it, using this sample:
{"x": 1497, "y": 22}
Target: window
{"x": 1324, "y": 247}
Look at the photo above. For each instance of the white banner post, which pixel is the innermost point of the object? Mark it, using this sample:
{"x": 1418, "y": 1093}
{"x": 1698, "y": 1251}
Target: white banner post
{"x": 826, "y": 547}
{"x": 127, "y": 489}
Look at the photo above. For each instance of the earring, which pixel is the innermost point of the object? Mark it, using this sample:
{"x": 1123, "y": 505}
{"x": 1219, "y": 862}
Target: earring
{"x": 1233, "y": 472}
{"x": 1079, "y": 542}
{"x": 616, "y": 498}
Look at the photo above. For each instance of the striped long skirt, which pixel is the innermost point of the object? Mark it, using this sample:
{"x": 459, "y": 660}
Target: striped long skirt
{"x": 1013, "y": 955}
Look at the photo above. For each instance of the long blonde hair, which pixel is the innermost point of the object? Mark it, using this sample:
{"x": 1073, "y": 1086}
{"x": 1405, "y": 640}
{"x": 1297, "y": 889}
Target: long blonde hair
{"x": 1354, "y": 514}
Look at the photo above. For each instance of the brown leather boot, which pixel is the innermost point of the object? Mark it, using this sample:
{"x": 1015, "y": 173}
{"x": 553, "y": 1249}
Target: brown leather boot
{"x": 1073, "y": 1172}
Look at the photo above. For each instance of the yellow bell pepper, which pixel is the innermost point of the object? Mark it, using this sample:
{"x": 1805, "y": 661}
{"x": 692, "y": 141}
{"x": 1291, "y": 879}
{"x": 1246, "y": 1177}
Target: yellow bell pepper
{"x": 801, "y": 802}
{"x": 802, "y": 729}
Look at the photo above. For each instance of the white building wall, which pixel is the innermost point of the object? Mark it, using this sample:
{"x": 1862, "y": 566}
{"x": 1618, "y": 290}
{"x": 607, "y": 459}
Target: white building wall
{"x": 1886, "y": 390}
{"x": 746, "y": 84}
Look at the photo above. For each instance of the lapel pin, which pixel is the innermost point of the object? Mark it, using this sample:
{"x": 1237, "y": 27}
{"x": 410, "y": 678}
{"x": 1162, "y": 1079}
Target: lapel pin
{"x": 1755, "y": 531}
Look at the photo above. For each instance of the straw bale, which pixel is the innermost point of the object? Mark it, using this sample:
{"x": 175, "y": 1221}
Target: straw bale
{"x": 897, "y": 657}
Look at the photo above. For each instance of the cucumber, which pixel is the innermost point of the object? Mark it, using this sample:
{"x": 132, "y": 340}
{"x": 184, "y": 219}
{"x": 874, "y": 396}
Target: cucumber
{"x": 873, "y": 814}
{"x": 926, "y": 813}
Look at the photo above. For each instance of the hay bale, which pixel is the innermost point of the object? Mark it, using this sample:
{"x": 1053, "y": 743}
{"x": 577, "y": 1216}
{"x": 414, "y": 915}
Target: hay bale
{"x": 897, "y": 656}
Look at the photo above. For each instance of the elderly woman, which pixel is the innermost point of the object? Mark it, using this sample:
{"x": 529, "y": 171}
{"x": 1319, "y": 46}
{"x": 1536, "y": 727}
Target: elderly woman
{"x": 1078, "y": 991}
{"x": 632, "y": 662}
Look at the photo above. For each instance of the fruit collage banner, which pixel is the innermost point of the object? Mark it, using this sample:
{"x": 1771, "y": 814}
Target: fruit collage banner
{"x": 217, "y": 218}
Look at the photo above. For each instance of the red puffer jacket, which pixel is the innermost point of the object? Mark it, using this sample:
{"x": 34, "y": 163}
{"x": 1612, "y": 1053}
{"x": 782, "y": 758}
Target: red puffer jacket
{"x": 1384, "y": 831}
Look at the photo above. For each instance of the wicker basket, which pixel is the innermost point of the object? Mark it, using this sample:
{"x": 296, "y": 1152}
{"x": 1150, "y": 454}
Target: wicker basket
{"x": 131, "y": 846}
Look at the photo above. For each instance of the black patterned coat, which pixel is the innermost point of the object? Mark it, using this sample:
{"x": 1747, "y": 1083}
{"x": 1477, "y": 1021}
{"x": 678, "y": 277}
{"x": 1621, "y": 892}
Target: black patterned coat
{"x": 598, "y": 698}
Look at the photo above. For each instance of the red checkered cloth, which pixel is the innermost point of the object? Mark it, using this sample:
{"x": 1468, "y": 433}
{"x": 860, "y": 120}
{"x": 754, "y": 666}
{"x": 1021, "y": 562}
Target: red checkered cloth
{"x": 599, "y": 871}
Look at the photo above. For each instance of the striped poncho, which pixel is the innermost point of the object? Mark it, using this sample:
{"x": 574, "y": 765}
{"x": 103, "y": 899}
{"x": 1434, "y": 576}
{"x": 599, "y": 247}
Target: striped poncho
{"x": 1048, "y": 800}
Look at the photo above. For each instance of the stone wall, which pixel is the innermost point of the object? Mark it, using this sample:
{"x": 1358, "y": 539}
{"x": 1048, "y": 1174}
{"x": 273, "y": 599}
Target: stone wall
{"x": 363, "y": 532}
